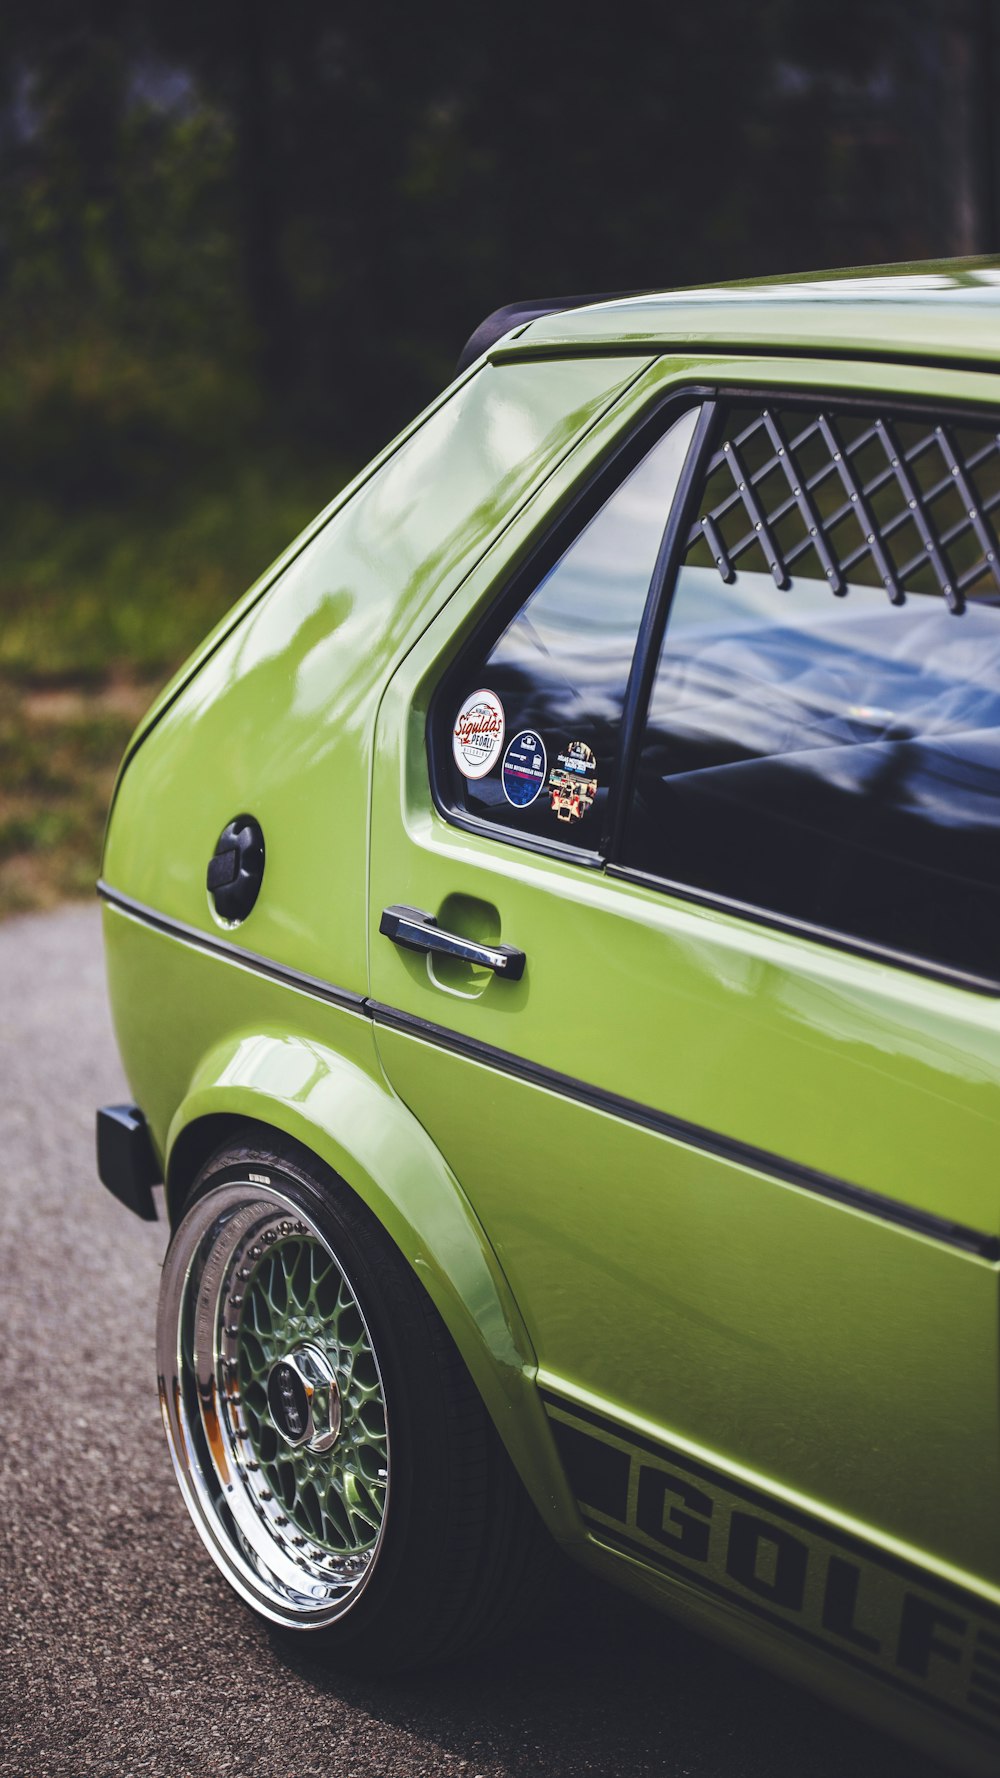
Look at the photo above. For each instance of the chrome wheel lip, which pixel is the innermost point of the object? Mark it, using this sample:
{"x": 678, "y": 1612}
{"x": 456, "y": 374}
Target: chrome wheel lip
{"x": 266, "y": 1567}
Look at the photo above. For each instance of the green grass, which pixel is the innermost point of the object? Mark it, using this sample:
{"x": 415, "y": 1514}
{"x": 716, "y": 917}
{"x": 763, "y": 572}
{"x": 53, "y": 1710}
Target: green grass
{"x": 97, "y": 609}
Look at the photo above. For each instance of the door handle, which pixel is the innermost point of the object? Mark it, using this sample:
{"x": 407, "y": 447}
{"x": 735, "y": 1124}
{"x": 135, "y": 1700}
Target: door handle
{"x": 417, "y": 931}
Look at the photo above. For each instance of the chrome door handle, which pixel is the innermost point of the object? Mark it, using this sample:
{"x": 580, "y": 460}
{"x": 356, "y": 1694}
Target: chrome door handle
{"x": 417, "y": 931}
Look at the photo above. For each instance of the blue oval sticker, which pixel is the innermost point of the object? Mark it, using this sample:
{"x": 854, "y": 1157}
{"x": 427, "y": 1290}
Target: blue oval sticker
{"x": 524, "y": 766}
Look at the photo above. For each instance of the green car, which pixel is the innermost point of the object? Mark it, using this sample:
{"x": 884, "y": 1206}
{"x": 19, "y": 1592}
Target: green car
{"x": 553, "y": 932}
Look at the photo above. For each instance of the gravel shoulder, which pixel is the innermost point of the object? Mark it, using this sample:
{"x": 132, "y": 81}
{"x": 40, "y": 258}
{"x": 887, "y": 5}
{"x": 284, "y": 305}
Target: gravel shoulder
{"x": 121, "y": 1651}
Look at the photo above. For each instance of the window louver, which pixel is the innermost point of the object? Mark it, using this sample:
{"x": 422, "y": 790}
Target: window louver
{"x": 892, "y": 500}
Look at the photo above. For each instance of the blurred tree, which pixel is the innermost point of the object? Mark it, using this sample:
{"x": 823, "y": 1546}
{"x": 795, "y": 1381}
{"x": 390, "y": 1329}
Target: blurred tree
{"x": 123, "y": 339}
{"x": 233, "y": 223}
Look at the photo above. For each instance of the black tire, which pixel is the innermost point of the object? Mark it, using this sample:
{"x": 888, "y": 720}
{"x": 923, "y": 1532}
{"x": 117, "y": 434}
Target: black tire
{"x": 460, "y": 1555}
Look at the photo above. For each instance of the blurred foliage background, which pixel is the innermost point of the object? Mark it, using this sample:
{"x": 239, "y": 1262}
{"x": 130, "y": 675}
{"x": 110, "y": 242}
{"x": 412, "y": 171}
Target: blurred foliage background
{"x": 240, "y": 245}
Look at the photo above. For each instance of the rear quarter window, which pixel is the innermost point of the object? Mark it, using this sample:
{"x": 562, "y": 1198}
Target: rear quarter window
{"x": 525, "y": 728}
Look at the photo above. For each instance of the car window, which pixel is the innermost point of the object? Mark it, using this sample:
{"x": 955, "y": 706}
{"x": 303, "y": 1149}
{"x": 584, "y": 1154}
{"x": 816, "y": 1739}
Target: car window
{"x": 526, "y": 727}
{"x": 823, "y": 735}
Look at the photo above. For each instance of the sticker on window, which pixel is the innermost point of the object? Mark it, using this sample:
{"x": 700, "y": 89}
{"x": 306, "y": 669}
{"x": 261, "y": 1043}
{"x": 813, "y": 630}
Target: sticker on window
{"x": 573, "y": 782}
{"x": 524, "y": 765}
{"x": 478, "y": 734}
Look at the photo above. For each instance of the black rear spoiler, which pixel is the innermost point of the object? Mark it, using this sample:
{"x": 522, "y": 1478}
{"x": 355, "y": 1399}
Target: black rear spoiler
{"x": 519, "y": 314}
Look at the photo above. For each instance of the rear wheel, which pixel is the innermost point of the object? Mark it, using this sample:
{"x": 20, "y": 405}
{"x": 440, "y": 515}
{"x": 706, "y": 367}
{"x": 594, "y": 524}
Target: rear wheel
{"x": 331, "y": 1448}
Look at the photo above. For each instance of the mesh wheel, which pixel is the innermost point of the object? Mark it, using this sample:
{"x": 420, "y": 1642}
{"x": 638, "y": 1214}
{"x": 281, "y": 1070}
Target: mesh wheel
{"x": 273, "y": 1402}
{"x": 331, "y": 1449}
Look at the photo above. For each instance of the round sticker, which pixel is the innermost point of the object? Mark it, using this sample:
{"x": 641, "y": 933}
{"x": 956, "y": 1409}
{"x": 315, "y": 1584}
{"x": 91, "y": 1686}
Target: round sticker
{"x": 524, "y": 766}
{"x": 478, "y": 734}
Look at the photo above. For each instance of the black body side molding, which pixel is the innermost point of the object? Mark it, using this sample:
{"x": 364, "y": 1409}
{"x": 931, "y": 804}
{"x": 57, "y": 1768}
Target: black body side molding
{"x": 126, "y": 1163}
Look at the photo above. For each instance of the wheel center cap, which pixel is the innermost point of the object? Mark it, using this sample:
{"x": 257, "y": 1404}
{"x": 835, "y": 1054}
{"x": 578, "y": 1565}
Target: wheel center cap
{"x": 303, "y": 1399}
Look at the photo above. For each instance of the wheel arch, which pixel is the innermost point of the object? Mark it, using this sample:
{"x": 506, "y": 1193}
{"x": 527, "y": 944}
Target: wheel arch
{"x": 357, "y": 1129}
{"x": 195, "y": 1144}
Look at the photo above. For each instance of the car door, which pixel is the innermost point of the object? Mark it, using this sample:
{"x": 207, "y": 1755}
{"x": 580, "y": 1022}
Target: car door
{"x": 732, "y": 1131}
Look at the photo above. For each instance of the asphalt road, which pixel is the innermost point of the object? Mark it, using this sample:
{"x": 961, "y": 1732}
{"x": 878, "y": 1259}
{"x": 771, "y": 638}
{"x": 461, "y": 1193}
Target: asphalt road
{"x": 122, "y": 1652}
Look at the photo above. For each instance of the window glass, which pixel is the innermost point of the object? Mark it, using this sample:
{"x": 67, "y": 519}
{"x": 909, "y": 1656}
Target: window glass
{"x": 836, "y": 759}
{"x": 527, "y": 729}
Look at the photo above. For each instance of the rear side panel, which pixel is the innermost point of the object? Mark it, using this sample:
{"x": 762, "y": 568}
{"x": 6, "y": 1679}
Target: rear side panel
{"x": 278, "y": 722}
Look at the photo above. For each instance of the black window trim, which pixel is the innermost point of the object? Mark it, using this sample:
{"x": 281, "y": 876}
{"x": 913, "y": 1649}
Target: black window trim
{"x": 645, "y": 656}
{"x": 583, "y": 503}
{"x": 725, "y": 398}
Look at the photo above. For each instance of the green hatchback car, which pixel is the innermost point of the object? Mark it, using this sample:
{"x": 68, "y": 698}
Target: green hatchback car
{"x": 553, "y": 932}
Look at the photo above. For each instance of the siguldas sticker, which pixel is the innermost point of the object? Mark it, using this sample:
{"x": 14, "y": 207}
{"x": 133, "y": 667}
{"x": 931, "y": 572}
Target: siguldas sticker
{"x": 478, "y": 734}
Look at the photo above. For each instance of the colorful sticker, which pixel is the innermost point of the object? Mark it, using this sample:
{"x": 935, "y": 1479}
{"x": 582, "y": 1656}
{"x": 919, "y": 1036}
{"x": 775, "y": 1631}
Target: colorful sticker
{"x": 573, "y": 782}
{"x": 478, "y": 734}
{"x": 524, "y": 766}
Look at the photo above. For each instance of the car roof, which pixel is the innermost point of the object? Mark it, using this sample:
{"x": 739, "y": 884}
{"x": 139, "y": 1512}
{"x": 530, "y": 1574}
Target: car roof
{"x": 931, "y": 310}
